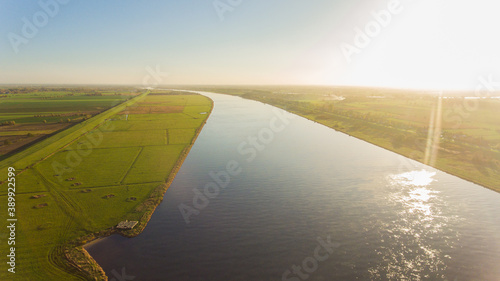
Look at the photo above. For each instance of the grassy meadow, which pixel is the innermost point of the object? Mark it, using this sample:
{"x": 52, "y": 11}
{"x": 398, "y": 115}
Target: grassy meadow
{"x": 29, "y": 116}
{"x": 111, "y": 167}
{"x": 454, "y": 132}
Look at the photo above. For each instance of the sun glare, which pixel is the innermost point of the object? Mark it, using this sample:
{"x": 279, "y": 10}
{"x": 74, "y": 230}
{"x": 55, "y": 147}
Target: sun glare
{"x": 414, "y": 178}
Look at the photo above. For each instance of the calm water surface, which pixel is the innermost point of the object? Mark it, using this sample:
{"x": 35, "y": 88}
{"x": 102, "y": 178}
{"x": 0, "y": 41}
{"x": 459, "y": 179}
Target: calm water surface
{"x": 300, "y": 186}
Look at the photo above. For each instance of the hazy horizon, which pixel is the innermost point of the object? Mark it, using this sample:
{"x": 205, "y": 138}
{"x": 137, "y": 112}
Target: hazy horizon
{"x": 422, "y": 45}
{"x": 489, "y": 93}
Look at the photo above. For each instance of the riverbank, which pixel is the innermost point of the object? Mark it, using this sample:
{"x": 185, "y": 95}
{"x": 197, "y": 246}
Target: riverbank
{"x": 309, "y": 182}
{"x": 116, "y": 171}
{"x": 84, "y": 261}
{"x": 491, "y": 181}
{"x": 472, "y": 175}
{"x": 400, "y": 122}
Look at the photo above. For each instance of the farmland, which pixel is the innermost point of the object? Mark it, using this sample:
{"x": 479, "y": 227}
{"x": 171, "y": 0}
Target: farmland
{"x": 31, "y": 115}
{"x": 79, "y": 183}
{"x": 456, "y": 132}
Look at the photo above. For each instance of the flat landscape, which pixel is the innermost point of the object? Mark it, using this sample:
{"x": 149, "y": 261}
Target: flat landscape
{"x": 115, "y": 163}
{"x": 249, "y": 140}
{"x": 28, "y": 116}
{"x": 115, "y": 167}
{"x": 456, "y": 132}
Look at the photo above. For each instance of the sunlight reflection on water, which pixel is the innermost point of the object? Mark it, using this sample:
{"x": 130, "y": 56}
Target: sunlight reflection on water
{"x": 419, "y": 225}
{"x": 410, "y": 255}
{"x": 414, "y": 178}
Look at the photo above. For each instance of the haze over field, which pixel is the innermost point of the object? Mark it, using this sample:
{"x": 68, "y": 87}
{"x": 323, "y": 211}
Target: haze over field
{"x": 389, "y": 43}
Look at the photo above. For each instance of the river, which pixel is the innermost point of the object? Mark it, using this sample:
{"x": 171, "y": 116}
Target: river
{"x": 266, "y": 195}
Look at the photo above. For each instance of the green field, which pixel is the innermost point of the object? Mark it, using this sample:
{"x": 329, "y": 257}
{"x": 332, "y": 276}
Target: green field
{"x": 464, "y": 142}
{"x": 29, "y": 116}
{"x": 111, "y": 167}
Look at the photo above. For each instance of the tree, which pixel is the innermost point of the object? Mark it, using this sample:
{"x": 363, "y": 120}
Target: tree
{"x": 8, "y": 123}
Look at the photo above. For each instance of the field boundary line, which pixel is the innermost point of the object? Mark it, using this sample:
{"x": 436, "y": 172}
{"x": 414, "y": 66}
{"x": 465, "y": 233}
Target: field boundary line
{"x": 131, "y": 165}
{"x": 40, "y": 151}
{"x": 156, "y": 197}
{"x": 114, "y": 186}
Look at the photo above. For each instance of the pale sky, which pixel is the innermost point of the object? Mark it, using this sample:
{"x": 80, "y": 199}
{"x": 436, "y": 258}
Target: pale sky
{"x": 426, "y": 44}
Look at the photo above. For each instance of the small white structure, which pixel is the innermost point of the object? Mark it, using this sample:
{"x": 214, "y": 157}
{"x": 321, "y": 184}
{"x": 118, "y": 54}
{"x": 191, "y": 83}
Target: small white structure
{"x": 126, "y": 224}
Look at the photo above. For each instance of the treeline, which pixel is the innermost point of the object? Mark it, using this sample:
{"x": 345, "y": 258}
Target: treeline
{"x": 42, "y": 89}
{"x": 8, "y": 123}
{"x": 93, "y": 94}
{"x": 60, "y": 115}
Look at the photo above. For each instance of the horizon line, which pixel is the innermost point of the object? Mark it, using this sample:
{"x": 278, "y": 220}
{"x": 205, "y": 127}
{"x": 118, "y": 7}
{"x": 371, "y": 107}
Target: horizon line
{"x": 234, "y": 85}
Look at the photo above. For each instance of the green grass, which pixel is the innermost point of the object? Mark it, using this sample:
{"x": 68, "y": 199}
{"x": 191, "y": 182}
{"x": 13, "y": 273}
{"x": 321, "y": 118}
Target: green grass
{"x": 180, "y": 136}
{"x": 45, "y": 112}
{"x": 156, "y": 117}
{"x": 103, "y": 166}
{"x": 154, "y": 163}
{"x": 44, "y": 148}
{"x": 126, "y": 159}
{"x": 142, "y": 138}
{"x": 30, "y": 182}
{"x": 24, "y": 107}
{"x": 469, "y": 143}
{"x": 94, "y": 205}
{"x": 164, "y": 124}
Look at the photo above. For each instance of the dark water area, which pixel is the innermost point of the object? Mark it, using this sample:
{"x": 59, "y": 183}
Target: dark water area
{"x": 273, "y": 196}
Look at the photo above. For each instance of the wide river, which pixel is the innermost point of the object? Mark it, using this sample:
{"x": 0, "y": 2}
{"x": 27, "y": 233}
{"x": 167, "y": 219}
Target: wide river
{"x": 266, "y": 195}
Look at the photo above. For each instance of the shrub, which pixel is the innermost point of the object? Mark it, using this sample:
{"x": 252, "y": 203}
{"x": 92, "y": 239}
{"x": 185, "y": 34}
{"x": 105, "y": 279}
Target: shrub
{"x": 8, "y": 123}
